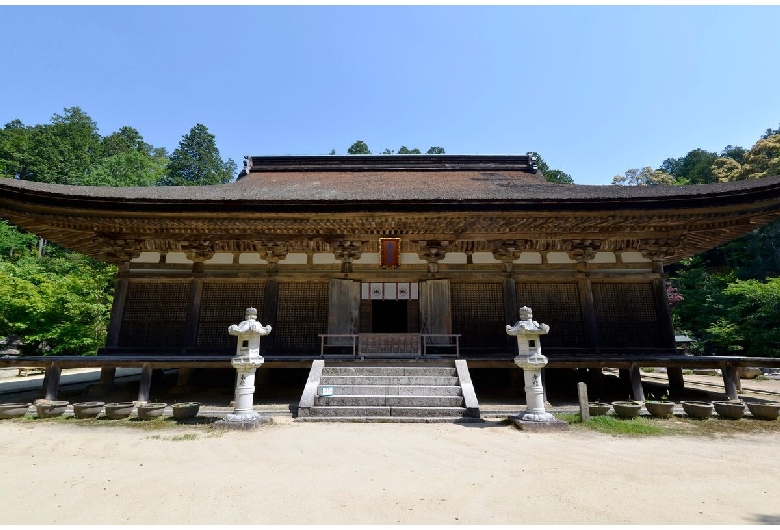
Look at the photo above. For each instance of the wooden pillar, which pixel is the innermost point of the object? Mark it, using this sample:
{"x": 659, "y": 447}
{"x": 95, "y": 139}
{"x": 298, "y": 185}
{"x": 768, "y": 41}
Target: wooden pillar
{"x": 636, "y": 382}
{"x": 664, "y": 314}
{"x": 727, "y": 369}
{"x": 436, "y": 309}
{"x": 52, "y": 380}
{"x": 146, "y": 383}
{"x": 676, "y": 381}
{"x": 737, "y": 379}
{"x": 625, "y": 378}
{"x": 193, "y": 312}
{"x": 585, "y": 288}
{"x": 270, "y": 302}
{"x": 343, "y": 310}
{"x": 107, "y": 377}
{"x": 184, "y": 377}
{"x": 510, "y": 311}
{"x": 117, "y": 311}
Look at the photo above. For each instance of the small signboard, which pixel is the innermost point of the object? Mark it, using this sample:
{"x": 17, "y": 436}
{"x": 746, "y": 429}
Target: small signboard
{"x": 326, "y": 391}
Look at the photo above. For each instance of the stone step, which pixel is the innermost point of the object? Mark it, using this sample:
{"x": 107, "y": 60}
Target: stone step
{"x": 389, "y": 401}
{"x": 396, "y": 390}
{"x": 387, "y": 380}
{"x": 418, "y": 412}
{"x": 432, "y": 371}
{"x": 385, "y": 419}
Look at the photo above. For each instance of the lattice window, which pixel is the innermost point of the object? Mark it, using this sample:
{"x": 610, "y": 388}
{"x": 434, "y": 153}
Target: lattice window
{"x": 558, "y": 305}
{"x": 626, "y": 315}
{"x": 301, "y": 314}
{"x": 223, "y": 304}
{"x": 155, "y": 315}
{"x": 478, "y": 314}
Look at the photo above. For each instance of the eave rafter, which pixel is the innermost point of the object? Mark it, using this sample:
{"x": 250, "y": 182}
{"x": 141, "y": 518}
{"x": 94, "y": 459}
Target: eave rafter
{"x": 115, "y": 236}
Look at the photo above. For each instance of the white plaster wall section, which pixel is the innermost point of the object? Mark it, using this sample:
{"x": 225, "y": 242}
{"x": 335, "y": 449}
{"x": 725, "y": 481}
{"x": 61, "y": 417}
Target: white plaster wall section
{"x": 633, "y": 257}
{"x": 324, "y": 258}
{"x": 368, "y": 258}
{"x": 221, "y": 258}
{"x": 250, "y": 258}
{"x": 147, "y": 257}
{"x": 455, "y": 258}
{"x": 176, "y": 257}
{"x": 559, "y": 257}
{"x": 530, "y": 258}
{"x": 295, "y": 259}
{"x": 411, "y": 258}
{"x": 604, "y": 257}
{"x": 483, "y": 257}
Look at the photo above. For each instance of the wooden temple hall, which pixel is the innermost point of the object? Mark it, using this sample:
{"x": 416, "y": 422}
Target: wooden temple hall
{"x": 368, "y": 259}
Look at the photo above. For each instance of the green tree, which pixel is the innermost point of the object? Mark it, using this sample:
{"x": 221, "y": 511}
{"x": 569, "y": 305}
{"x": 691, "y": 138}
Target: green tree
{"x": 196, "y": 161}
{"x": 359, "y": 148}
{"x": 64, "y": 151}
{"x": 435, "y": 150}
{"x": 693, "y": 168}
{"x": 556, "y": 176}
{"x": 646, "y": 176}
{"x": 403, "y": 150}
{"x": 761, "y": 160}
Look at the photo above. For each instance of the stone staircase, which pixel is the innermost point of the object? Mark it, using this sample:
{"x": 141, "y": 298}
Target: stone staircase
{"x": 402, "y": 392}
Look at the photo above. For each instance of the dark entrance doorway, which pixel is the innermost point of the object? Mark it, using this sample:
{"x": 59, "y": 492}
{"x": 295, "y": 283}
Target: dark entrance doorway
{"x": 389, "y": 316}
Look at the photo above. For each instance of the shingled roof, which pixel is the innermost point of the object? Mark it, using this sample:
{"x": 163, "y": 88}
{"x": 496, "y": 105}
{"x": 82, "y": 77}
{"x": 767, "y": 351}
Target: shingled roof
{"x": 390, "y": 183}
{"x": 455, "y": 198}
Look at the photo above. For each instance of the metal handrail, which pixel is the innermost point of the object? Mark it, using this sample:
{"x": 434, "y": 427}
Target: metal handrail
{"x": 323, "y": 343}
{"x": 426, "y": 336}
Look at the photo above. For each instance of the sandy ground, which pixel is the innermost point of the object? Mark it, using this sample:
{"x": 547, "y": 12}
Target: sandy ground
{"x": 57, "y": 473}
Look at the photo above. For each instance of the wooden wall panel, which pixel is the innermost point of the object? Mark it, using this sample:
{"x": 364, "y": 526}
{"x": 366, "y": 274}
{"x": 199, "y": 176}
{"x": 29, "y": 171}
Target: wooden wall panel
{"x": 222, "y": 305}
{"x": 557, "y": 305}
{"x": 626, "y": 315}
{"x": 301, "y": 315}
{"x": 155, "y": 315}
{"x": 478, "y": 314}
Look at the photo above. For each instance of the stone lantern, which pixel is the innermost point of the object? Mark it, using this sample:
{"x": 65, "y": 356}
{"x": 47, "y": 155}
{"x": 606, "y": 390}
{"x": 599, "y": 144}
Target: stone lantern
{"x": 531, "y": 360}
{"x": 246, "y": 362}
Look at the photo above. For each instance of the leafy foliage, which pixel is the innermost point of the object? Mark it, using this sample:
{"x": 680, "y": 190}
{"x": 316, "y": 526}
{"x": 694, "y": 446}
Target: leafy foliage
{"x": 556, "y": 176}
{"x": 57, "y": 304}
{"x": 197, "y": 161}
{"x": 359, "y": 148}
{"x": 646, "y": 176}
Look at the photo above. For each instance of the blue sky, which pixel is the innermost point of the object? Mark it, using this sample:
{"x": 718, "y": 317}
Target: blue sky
{"x": 595, "y": 90}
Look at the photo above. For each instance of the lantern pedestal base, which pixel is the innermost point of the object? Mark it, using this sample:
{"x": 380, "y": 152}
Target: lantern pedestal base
{"x": 553, "y": 425}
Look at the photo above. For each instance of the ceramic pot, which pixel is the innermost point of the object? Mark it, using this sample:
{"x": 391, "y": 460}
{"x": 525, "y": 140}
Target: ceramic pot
{"x": 13, "y": 410}
{"x": 119, "y": 411}
{"x": 764, "y": 411}
{"x": 697, "y": 409}
{"x": 148, "y": 411}
{"x": 730, "y": 410}
{"x": 89, "y": 409}
{"x": 185, "y": 411}
{"x": 51, "y": 409}
{"x": 627, "y": 409}
{"x": 660, "y": 409}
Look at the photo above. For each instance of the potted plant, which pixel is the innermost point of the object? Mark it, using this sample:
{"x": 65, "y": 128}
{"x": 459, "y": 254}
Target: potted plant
{"x": 185, "y": 411}
{"x": 730, "y": 410}
{"x": 697, "y": 409}
{"x": 147, "y": 411}
{"x": 662, "y": 408}
{"x": 627, "y": 409}
{"x": 13, "y": 410}
{"x": 88, "y": 409}
{"x": 51, "y": 409}
{"x": 764, "y": 411}
{"x": 119, "y": 411}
